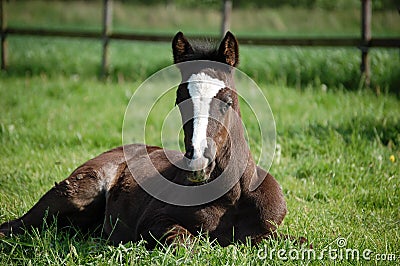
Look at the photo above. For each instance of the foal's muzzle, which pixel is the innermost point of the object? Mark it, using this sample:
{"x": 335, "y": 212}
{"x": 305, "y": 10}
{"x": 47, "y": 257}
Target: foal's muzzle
{"x": 201, "y": 163}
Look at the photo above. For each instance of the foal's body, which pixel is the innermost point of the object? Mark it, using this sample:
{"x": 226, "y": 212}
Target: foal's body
{"x": 104, "y": 193}
{"x": 104, "y": 190}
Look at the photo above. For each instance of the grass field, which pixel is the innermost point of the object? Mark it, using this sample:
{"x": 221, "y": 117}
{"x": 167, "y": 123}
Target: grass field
{"x": 335, "y": 167}
{"x": 340, "y": 148}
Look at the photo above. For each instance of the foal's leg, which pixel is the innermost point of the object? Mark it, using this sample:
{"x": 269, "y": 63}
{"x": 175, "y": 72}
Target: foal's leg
{"x": 78, "y": 200}
{"x": 132, "y": 214}
{"x": 174, "y": 234}
{"x": 278, "y": 236}
{"x": 268, "y": 198}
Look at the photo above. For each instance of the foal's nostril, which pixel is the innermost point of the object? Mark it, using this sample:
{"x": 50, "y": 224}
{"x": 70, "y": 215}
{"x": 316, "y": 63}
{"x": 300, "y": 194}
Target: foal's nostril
{"x": 189, "y": 152}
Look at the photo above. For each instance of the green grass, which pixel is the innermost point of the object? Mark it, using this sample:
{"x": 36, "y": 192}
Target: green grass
{"x": 167, "y": 19}
{"x": 334, "y": 168}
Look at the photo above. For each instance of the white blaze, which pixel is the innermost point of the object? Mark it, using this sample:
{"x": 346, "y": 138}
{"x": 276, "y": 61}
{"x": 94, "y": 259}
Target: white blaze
{"x": 202, "y": 88}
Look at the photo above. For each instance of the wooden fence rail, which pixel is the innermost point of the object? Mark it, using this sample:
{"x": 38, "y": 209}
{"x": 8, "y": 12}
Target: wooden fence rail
{"x": 272, "y": 41}
{"x": 364, "y": 43}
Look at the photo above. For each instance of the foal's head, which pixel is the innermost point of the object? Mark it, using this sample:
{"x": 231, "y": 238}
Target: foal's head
{"x": 208, "y": 103}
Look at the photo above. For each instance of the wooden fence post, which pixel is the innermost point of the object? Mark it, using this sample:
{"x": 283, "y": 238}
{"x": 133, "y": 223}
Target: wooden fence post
{"x": 3, "y": 26}
{"x": 107, "y": 22}
{"x": 226, "y": 16}
{"x": 366, "y": 13}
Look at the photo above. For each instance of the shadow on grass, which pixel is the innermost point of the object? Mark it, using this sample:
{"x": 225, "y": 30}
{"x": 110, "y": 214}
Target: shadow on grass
{"x": 293, "y": 72}
{"x": 129, "y": 72}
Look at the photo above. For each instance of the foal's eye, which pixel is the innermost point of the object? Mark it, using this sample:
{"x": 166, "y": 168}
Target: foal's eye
{"x": 225, "y": 106}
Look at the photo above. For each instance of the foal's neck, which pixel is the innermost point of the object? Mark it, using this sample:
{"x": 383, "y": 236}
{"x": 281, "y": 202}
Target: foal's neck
{"x": 245, "y": 162}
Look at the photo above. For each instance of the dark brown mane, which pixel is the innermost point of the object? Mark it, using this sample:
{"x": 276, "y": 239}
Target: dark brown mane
{"x": 203, "y": 50}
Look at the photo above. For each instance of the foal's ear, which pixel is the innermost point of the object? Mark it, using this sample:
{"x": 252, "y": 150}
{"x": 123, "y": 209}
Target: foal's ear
{"x": 180, "y": 47}
{"x": 229, "y": 50}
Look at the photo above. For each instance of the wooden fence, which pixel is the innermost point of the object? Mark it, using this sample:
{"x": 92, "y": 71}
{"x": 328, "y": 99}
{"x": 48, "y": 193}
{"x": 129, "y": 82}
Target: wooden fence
{"x": 364, "y": 43}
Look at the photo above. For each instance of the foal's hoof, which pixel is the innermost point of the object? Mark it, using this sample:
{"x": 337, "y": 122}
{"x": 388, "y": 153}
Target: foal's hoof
{"x": 5, "y": 230}
{"x": 3, "y": 233}
{"x": 302, "y": 241}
